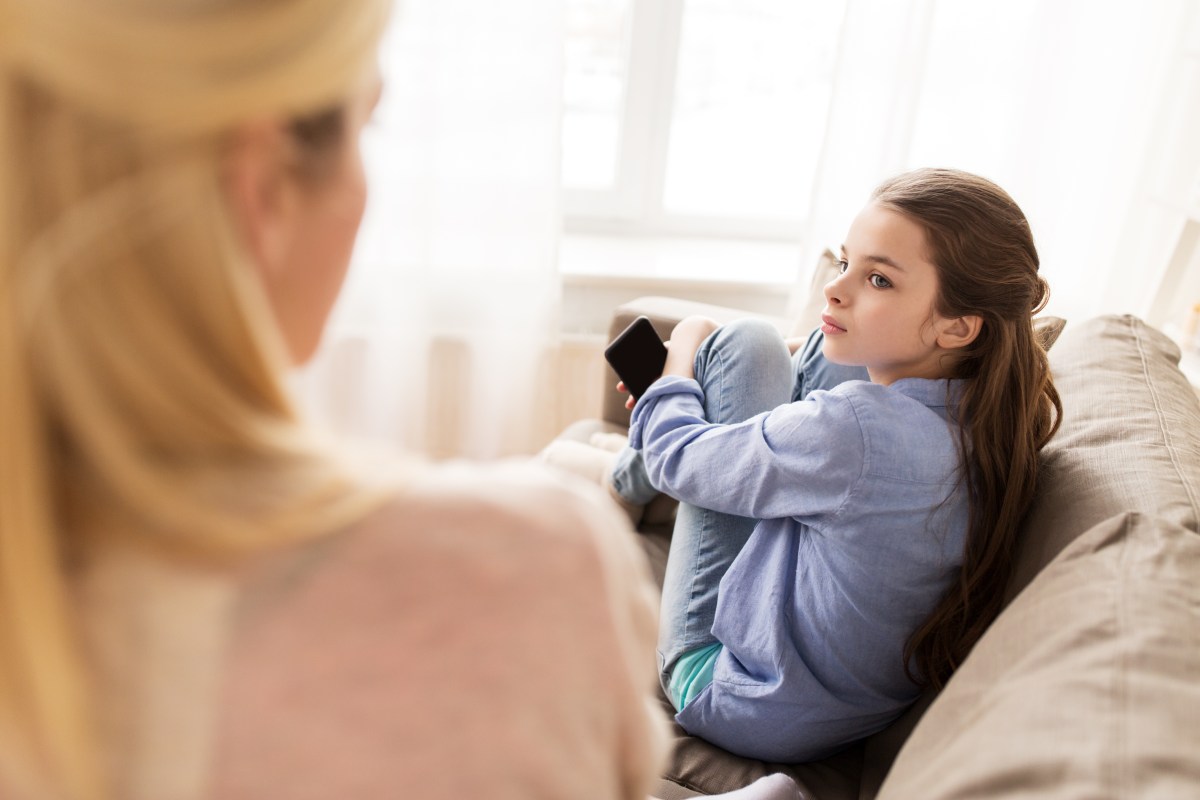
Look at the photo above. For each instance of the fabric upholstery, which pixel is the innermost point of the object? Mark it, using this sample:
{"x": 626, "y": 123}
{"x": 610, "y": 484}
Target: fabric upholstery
{"x": 1048, "y": 329}
{"x": 1085, "y": 686}
{"x": 1130, "y": 438}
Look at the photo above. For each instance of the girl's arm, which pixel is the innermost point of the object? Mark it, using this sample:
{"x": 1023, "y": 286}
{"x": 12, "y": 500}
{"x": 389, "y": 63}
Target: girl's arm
{"x": 801, "y": 458}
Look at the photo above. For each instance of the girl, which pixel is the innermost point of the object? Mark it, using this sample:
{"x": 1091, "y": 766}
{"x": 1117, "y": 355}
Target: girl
{"x": 834, "y": 553}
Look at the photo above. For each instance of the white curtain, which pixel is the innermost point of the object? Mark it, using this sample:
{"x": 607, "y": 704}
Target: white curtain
{"x": 1068, "y": 105}
{"x": 445, "y": 340}
{"x": 442, "y": 338}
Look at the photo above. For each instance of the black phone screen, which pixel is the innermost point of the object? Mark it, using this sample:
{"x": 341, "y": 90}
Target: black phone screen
{"x": 637, "y": 355}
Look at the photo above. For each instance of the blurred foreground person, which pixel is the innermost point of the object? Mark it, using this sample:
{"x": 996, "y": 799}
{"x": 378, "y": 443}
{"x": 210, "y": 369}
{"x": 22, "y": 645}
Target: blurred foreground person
{"x": 198, "y": 596}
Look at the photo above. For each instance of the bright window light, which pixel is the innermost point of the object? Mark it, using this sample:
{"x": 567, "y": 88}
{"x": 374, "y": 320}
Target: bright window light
{"x": 696, "y": 116}
{"x": 752, "y": 87}
{"x": 594, "y": 91}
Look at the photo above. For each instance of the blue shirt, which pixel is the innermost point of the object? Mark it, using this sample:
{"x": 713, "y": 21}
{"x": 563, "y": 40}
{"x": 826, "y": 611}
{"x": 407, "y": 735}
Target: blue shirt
{"x": 862, "y": 514}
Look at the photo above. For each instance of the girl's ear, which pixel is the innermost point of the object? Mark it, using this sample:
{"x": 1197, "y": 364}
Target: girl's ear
{"x": 262, "y": 194}
{"x": 958, "y": 331}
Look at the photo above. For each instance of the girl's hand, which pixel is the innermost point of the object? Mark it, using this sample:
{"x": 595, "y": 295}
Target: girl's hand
{"x": 630, "y": 402}
{"x": 686, "y": 339}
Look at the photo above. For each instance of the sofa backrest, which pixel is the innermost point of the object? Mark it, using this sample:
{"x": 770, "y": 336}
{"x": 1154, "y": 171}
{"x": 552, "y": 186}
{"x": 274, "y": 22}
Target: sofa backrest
{"x": 1085, "y": 685}
{"x": 1129, "y": 441}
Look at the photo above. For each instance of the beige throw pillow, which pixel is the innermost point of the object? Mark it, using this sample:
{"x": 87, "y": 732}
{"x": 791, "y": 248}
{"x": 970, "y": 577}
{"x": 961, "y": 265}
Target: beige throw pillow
{"x": 1088, "y": 685}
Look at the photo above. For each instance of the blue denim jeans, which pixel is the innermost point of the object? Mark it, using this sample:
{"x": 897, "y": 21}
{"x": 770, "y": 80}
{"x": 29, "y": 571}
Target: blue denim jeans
{"x": 743, "y": 369}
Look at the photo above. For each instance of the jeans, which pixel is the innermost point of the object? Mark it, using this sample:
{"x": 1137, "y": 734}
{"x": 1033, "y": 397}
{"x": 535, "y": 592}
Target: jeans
{"x": 743, "y": 369}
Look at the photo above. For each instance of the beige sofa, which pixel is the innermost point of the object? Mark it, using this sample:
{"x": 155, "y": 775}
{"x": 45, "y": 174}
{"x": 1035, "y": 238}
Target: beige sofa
{"x": 1088, "y": 684}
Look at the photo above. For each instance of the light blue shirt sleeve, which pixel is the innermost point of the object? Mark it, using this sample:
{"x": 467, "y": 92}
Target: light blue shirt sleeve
{"x": 799, "y": 460}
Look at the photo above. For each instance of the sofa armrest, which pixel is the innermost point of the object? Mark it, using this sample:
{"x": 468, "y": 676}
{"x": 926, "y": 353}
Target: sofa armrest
{"x": 664, "y": 314}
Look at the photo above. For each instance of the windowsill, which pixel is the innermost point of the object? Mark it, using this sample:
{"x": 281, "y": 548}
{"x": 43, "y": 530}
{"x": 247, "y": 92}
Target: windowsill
{"x": 585, "y": 258}
{"x": 599, "y": 272}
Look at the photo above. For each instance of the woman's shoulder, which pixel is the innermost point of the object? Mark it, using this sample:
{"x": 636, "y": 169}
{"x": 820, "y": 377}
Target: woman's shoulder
{"x": 476, "y": 600}
{"x": 461, "y": 520}
{"x": 494, "y": 508}
{"x": 513, "y": 488}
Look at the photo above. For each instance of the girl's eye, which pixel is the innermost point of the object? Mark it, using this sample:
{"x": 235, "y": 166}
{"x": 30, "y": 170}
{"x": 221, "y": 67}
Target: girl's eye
{"x": 843, "y": 265}
{"x": 879, "y": 282}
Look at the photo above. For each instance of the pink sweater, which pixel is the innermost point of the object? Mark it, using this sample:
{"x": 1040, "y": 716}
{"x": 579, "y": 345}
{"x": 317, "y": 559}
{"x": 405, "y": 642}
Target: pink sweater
{"x": 488, "y": 634}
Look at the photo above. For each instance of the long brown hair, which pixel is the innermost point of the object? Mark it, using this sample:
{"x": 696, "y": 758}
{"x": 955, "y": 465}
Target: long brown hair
{"x": 982, "y": 247}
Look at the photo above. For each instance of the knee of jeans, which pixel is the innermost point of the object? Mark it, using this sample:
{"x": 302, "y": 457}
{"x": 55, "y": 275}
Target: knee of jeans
{"x": 746, "y": 341}
{"x": 746, "y": 333}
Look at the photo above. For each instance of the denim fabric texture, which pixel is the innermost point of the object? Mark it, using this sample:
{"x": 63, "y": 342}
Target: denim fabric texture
{"x": 813, "y": 536}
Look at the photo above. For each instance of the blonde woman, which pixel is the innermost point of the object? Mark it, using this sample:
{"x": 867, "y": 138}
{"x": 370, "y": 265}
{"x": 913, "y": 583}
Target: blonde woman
{"x": 197, "y": 597}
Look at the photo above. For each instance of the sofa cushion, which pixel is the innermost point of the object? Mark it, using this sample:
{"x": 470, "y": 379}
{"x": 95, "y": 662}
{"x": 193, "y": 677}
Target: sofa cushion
{"x": 706, "y": 769}
{"x": 1130, "y": 439}
{"x": 1084, "y": 687}
{"x": 1047, "y": 329}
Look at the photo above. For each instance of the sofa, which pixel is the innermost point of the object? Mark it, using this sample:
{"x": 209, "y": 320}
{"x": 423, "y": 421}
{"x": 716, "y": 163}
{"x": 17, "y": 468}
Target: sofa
{"x": 1088, "y": 683}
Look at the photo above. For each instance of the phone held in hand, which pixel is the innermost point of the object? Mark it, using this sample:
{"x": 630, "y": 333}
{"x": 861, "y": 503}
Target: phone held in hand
{"x": 638, "y": 356}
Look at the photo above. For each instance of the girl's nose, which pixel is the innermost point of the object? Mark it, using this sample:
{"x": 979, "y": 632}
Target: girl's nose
{"x": 833, "y": 292}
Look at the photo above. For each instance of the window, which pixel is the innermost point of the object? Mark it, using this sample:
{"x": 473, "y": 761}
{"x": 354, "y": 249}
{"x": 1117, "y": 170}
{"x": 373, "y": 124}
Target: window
{"x": 695, "y": 117}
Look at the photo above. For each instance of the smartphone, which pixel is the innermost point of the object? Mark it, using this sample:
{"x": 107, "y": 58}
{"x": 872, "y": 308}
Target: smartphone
{"x": 637, "y": 355}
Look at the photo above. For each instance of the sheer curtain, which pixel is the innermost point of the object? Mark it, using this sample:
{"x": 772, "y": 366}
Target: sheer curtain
{"x": 446, "y": 338}
{"x": 1067, "y": 105}
{"x": 443, "y": 339}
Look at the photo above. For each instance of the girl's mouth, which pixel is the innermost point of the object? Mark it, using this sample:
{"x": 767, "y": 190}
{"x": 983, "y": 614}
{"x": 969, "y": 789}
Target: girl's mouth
{"x": 829, "y": 327}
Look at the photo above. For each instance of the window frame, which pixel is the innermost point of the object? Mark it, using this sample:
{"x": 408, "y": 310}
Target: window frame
{"x": 633, "y": 204}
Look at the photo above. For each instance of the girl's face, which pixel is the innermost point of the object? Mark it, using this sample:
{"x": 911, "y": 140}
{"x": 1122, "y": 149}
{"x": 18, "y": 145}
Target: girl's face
{"x": 879, "y": 311}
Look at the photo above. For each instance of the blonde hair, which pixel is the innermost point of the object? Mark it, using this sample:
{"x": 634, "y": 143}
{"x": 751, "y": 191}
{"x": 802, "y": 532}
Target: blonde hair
{"x": 142, "y": 391}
